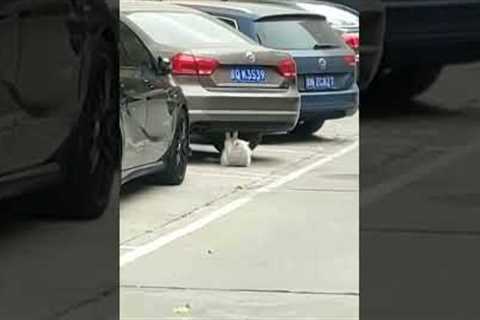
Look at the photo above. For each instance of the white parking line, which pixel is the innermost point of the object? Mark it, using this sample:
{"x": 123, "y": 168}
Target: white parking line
{"x": 263, "y": 149}
{"x": 154, "y": 245}
{"x": 300, "y": 172}
{"x": 229, "y": 174}
{"x": 225, "y": 176}
{"x": 128, "y": 247}
{"x": 384, "y": 189}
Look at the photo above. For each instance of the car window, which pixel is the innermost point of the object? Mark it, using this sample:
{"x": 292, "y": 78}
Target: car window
{"x": 297, "y": 33}
{"x": 132, "y": 52}
{"x": 230, "y": 22}
{"x": 185, "y": 29}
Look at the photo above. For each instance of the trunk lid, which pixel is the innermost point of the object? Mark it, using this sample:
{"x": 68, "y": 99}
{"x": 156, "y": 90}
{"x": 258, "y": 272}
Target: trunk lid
{"x": 251, "y": 68}
{"x": 324, "y": 65}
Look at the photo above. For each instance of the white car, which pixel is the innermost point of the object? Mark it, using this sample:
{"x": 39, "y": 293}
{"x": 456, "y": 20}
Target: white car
{"x": 341, "y": 18}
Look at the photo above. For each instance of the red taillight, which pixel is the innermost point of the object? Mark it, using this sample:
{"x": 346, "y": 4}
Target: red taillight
{"x": 352, "y": 40}
{"x": 350, "y": 60}
{"x": 288, "y": 68}
{"x": 206, "y": 66}
{"x": 186, "y": 64}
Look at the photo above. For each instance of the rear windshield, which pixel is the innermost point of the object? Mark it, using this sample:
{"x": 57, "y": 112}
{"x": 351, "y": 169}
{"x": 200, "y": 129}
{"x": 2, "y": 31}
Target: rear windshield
{"x": 184, "y": 29}
{"x": 297, "y": 33}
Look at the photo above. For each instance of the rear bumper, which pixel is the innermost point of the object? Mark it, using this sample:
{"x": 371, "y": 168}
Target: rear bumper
{"x": 264, "y": 112}
{"x": 432, "y": 32}
{"x": 329, "y": 105}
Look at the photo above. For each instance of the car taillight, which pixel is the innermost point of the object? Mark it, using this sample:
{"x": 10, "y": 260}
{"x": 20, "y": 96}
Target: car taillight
{"x": 352, "y": 40}
{"x": 350, "y": 60}
{"x": 206, "y": 66}
{"x": 287, "y": 68}
{"x": 184, "y": 64}
{"x": 187, "y": 64}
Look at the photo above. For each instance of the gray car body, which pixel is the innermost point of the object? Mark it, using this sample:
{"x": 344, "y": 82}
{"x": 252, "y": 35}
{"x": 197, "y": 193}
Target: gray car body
{"x": 150, "y": 102}
{"x": 47, "y": 49}
{"x": 214, "y": 104}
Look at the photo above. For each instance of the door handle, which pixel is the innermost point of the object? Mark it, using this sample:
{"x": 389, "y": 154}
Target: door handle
{"x": 149, "y": 84}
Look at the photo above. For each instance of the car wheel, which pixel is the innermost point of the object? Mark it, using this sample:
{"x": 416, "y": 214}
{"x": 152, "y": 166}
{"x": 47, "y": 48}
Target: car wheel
{"x": 254, "y": 140}
{"x": 176, "y": 158}
{"x": 91, "y": 157}
{"x": 403, "y": 84}
{"x": 308, "y": 128}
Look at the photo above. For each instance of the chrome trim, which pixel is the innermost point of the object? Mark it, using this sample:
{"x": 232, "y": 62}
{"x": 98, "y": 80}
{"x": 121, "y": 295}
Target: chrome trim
{"x": 242, "y": 112}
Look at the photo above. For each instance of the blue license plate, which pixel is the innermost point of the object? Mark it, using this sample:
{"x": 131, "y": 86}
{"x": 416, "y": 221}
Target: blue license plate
{"x": 320, "y": 83}
{"x": 248, "y": 75}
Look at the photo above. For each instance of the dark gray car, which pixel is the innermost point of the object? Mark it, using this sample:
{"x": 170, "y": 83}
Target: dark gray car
{"x": 154, "y": 117}
{"x": 59, "y": 131}
{"x": 230, "y": 82}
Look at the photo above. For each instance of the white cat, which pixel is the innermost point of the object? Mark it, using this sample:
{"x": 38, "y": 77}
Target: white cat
{"x": 236, "y": 152}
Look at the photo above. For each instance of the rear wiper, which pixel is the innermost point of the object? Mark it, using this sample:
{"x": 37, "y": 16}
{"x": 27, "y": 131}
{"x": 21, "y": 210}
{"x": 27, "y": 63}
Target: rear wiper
{"x": 325, "y": 46}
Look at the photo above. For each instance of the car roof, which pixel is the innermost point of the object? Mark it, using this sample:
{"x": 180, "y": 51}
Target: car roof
{"x": 251, "y": 10}
{"x": 151, "y": 6}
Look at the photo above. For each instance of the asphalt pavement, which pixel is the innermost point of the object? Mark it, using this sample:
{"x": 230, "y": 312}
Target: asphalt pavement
{"x": 420, "y": 203}
{"x": 58, "y": 269}
{"x": 278, "y": 240}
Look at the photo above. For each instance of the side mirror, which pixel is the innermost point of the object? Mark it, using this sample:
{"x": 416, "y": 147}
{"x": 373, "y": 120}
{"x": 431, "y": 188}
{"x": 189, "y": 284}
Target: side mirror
{"x": 164, "y": 66}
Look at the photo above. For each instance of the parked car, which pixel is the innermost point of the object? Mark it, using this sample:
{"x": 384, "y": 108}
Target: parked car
{"x": 230, "y": 82}
{"x": 154, "y": 114}
{"x": 415, "y": 40}
{"x": 341, "y": 18}
{"x": 59, "y": 127}
{"x": 326, "y": 65}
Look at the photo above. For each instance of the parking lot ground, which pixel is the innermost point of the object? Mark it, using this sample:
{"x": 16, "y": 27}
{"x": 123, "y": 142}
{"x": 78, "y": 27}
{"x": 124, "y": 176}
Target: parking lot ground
{"x": 277, "y": 240}
{"x": 59, "y": 269}
{"x": 420, "y": 203}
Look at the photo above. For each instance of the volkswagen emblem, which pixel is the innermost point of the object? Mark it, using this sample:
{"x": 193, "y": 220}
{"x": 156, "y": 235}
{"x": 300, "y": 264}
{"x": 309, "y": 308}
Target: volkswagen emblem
{"x": 251, "y": 57}
{"x": 322, "y": 62}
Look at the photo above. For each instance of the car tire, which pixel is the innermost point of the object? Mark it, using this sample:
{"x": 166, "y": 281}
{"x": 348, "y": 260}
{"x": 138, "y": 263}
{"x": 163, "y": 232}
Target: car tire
{"x": 91, "y": 157}
{"x": 176, "y": 158}
{"x": 403, "y": 84}
{"x": 254, "y": 140}
{"x": 308, "y": 128}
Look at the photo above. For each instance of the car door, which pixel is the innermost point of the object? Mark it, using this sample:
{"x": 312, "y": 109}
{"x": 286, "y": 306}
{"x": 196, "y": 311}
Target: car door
{"x": 135, "y": 63}
{"x": 45, "y": 88}
{"x": 161, "y": 110}
{"x": 159, "y": 99}
{"x": 38, "y": 77}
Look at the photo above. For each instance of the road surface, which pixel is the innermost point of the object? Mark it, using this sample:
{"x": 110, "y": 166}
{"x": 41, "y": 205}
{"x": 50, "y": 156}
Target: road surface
{"x": 278, "y": 240}
{"x": 420, "y": 203}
